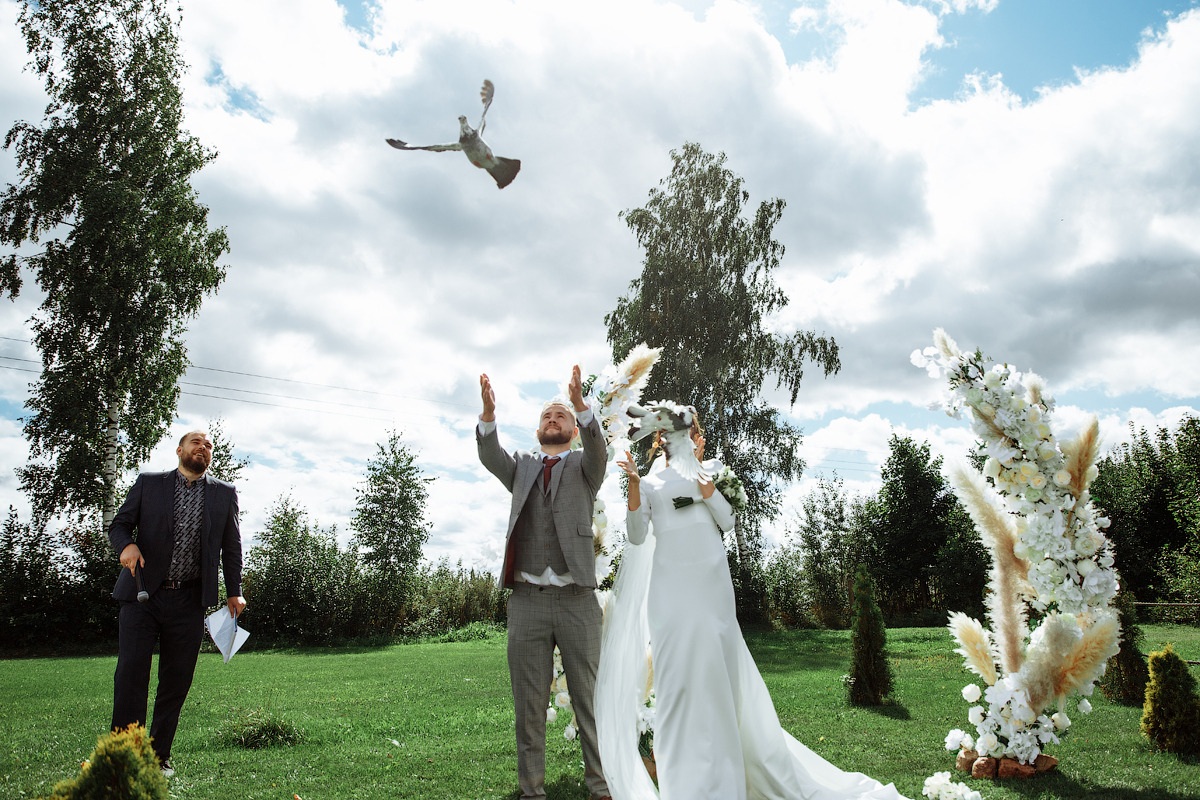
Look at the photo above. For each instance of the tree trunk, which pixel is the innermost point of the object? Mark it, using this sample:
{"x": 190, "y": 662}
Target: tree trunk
{"x": 109, "y": 476}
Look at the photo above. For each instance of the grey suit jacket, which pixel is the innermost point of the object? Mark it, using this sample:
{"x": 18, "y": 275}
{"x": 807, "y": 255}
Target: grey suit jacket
{"x": 574, "y": 483}
{"x": 149, "y": 508}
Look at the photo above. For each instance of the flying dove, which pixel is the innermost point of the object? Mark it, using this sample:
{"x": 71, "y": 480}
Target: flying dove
{"x": 471, "y": 142}
{"x": 675, "y": 423}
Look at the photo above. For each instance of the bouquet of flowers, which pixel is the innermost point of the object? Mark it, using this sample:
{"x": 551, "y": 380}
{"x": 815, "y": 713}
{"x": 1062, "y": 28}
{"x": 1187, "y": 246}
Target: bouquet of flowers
{"x": 1033, "y": 511}
{"x": 730, "y": 487}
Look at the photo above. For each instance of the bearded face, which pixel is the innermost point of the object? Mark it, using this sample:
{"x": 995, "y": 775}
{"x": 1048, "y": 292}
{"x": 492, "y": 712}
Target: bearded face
{"x": 195, "y": 453}
{"x": 557, "y": 426}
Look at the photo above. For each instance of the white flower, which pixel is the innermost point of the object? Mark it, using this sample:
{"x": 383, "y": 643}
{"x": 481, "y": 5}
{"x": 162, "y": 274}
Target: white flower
{"x": 934, "y": 784}
{"x": 954, "y": 739}
{"x": 987, "y": 744}
{"x": 971, "y": 693}
{"x": 1084, "y": 706}
{"x": 1061, "y": 721}
{"x": 991, "y": 468}
{"x": 569, "y": 733}
{"x": 562, "y": 700}
{"x": 1062, "y": 477}
{"x": 551, "y": 714}
{"x": 976, "y": 715}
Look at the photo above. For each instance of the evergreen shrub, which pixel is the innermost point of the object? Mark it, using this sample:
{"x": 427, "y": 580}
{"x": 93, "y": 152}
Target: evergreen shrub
{"x": 1171, "y": 713}
{"x": 122, "y": 767}
{"x": 870, "y": 680}
{"x": 1126, "y": 675}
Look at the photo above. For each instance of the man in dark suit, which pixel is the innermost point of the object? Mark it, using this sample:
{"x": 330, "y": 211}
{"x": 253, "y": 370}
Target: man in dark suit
{"x": 550, "y": 564}
{"x": 185, "y": 522}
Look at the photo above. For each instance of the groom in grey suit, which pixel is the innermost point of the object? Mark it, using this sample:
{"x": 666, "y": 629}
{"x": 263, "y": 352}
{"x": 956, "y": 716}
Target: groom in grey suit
{"x": 550, "y": 564}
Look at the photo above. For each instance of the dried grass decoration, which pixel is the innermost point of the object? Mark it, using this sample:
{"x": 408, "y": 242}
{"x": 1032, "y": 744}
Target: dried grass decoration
{"x": 1050, "y": 559}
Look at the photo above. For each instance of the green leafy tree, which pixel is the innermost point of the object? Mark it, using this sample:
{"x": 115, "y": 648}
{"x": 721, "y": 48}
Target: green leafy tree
{"x": 870, "y": 682}
{"x": 1149, "y": 488}
{"x": 824, "y": 535}
{"x": 34, "y": 580}
{"x": 225, "y": 464}
{"x": 705, "y": 296}
{"x": 127, "y": 255}
{"x": 918, "y": 543}
{"x": 304, "y": 588}
{"x": 390, "y": 527}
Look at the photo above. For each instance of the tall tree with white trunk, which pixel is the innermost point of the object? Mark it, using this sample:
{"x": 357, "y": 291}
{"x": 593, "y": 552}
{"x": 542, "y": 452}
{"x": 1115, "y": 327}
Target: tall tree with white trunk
{"x": 126, "y": 254}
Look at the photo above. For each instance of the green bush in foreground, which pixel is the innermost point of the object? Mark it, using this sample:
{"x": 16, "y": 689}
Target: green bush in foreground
{"x": 1171, "y": 714}
{"x": 122, "y": 767}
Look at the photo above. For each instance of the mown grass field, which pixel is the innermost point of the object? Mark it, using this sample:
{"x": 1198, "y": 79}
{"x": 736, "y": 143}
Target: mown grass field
{"x": 448, "y": 708}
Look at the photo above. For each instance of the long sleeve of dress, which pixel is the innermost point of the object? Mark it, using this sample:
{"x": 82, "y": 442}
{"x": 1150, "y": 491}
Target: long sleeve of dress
{"x": 637, "y": 521}
{"x": 721, "y": 511}
{"x": 718, "y": 506}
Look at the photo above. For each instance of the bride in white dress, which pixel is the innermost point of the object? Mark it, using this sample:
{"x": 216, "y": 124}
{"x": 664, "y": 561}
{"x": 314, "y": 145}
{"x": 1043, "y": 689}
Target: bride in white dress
{"x": 717, "y": 736}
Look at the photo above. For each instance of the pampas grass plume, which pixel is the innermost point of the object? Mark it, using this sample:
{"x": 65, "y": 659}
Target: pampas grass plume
{"x": 1009, "y": 574}
{"x": 635, "y": 369}
{"x": 975, "y": 646}
{"x": 1081, "y": 454}
{"x": 1100, "y": 642}
{"x": 1041, "y": 672}
{"x": 945, "y": 345}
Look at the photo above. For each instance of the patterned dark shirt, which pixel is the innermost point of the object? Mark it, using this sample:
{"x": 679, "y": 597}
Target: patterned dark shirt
{"x": 189, "y": 517}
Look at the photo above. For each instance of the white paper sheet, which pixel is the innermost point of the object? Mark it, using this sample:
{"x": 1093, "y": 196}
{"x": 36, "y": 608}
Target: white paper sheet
{"x": 226, "y": 634}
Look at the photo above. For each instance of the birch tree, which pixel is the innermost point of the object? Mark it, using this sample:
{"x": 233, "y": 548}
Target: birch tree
{"x": 104, "y": 216}
{"x": 705, "y": 296}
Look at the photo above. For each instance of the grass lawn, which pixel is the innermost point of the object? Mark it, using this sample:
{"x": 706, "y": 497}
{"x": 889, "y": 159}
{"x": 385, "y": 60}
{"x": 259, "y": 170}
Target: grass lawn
{"x": 448, "y": 708}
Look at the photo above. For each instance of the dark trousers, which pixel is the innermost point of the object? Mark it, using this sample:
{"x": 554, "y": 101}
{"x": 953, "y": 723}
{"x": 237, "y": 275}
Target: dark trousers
{"x": 174, "y": 619}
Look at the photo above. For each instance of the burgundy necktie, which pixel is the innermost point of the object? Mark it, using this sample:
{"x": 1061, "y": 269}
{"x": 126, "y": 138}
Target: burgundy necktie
{"x": 548, "y": 465}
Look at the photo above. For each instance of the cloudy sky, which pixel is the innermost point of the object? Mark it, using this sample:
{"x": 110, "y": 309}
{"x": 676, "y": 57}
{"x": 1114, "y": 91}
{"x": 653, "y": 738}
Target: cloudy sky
{"x": 1024, "y": 174}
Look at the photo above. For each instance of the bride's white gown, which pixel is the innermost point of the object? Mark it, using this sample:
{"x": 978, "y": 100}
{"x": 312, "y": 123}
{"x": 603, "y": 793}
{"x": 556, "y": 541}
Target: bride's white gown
{"x": 717, "y": 736}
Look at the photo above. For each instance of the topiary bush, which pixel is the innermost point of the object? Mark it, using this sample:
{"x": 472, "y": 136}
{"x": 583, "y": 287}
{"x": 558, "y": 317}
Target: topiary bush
{"x": 122, "y": 767}
{"x": 1171, "y": 714}
{"x": 1126, "y": 674}
{"x": 870, "y": 680}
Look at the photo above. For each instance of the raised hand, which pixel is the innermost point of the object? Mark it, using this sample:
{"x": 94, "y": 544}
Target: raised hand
{"x": 575, "y": 390}
{"x": 489, "y": 399}
{"x": 706, "y": 487}
{"x": 630, "y": 468}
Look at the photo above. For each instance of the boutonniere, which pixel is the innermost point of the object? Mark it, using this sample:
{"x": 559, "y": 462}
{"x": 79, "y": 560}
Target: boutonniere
{"x": 683, "y": 502}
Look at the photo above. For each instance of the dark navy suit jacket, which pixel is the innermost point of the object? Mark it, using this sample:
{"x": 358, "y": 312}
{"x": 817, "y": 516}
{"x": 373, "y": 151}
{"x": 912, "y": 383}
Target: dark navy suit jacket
{"x": 149, "y": 508}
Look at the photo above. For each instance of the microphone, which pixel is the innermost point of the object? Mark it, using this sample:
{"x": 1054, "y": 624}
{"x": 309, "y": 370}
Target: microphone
{"x": 143, "y": 595}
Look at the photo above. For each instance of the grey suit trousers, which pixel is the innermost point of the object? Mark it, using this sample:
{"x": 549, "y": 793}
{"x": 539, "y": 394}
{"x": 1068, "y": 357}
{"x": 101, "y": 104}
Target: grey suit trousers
{"x": 538, "y": 619}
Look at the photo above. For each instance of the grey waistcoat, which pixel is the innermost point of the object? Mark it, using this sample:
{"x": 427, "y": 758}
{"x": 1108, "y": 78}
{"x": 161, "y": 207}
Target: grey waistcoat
{"x": 535, "y": 536}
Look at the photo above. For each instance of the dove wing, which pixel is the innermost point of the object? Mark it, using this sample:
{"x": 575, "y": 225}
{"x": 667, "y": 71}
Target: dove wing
{"x": 437, "y": 148}
{"x": 486, "y": 94}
